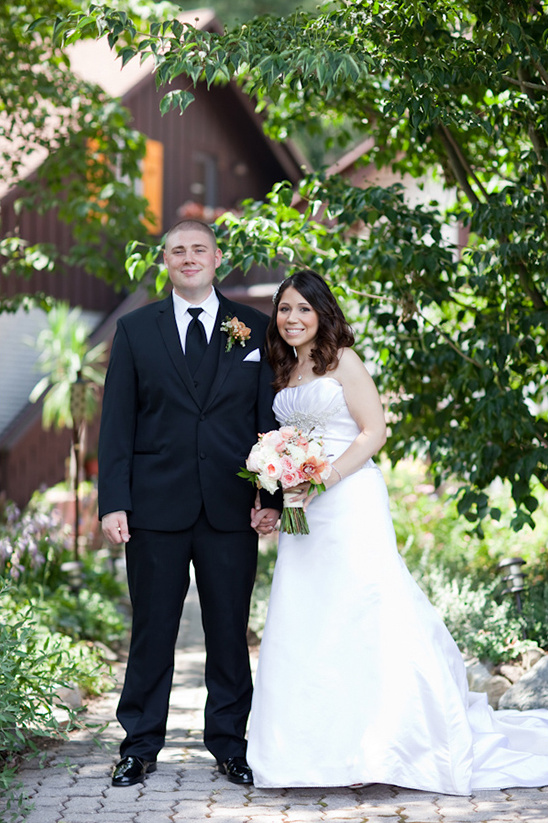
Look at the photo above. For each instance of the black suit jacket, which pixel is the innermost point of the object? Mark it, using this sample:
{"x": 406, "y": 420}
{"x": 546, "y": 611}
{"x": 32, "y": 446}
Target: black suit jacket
{"x": 164, "y": 452}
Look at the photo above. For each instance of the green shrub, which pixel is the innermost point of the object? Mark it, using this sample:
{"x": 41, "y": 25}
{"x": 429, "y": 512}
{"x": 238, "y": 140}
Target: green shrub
{"x": 35, "y": 548}
{"x": 86, "y": 615}
{"x": 430, "y": 532}
{"x": 34, "y": 665}
{"x": 82, "y": 616}
{"x": 535, "y": 606}
{"x": 481, "y": 625}
{"x": 47, "y": 632}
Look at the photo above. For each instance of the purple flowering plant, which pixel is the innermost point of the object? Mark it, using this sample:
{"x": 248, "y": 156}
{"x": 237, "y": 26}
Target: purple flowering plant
{"x": 36, "y": 548}
{"x": 32, "y": 542}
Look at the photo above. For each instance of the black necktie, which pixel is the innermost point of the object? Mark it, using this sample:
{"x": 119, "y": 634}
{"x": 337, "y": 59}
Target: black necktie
{"x": 196, "y": 341}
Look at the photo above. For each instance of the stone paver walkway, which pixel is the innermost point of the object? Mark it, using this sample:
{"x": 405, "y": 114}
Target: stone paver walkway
{"x": 75, "y": 787}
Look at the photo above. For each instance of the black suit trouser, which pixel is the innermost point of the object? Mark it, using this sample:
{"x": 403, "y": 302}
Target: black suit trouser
{"x": 158, "y": 576}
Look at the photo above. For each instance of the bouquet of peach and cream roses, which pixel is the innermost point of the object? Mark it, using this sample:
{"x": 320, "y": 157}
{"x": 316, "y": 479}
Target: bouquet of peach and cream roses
{"x": 283, "y": 458}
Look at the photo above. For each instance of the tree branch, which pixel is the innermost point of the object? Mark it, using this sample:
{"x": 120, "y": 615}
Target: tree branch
{"x": 526, "y": 84}
{"x": 461, "y": 168}
{"x": 543, "y": 73}
{"x": 529, "y": 288}
{"x": 426, "y": 320}
{"x": 538, "y": 140}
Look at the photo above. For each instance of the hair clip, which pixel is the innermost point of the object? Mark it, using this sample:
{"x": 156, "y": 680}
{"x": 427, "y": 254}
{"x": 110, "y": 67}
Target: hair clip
{"x": 276, "y": 293}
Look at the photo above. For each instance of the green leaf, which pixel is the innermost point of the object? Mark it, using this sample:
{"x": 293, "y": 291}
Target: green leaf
{"x": 180, "y": 98}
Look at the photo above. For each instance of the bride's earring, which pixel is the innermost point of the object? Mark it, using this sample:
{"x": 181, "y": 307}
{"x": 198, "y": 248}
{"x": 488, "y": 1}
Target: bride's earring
{"x": 294, "y": 351}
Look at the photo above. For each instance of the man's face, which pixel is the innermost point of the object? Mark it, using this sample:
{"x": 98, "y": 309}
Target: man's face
{"x": 192, "y": 260}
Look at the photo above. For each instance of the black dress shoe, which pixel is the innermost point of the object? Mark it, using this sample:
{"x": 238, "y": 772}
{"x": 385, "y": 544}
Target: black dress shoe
{"x": 237, "y": 770}
{"x": 131, "y": 770}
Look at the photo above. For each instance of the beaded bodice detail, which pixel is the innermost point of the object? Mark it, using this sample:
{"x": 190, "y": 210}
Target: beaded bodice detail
{"x": 318, "y": 406}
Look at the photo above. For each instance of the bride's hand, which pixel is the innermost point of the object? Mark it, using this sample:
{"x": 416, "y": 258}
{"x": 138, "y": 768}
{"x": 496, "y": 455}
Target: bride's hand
{"x": 304, "y": 493}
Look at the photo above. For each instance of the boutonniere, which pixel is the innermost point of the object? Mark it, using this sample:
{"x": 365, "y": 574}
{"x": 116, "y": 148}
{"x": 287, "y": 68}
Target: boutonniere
{"x": 237, "y": 332}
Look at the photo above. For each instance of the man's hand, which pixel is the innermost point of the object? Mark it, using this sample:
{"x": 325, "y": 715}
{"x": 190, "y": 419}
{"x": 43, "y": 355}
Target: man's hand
{"x": 264, "y": 520}
{"x": 115, "y": 528}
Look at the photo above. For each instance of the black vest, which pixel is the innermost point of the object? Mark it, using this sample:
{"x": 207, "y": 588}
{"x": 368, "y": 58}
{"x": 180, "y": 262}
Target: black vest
{"x": 207, "y": 369}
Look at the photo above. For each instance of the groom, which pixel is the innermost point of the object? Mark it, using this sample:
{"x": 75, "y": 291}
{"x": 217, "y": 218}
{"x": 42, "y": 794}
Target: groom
{"x": 182, "y": 408}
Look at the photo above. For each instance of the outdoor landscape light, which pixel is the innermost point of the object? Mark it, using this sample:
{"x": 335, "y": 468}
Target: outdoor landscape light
{"x": 514, "y": 577}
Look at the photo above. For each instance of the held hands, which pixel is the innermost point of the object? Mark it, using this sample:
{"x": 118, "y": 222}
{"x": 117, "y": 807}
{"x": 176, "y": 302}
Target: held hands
{"x": 115, "y": 528}
{"x": 264, "y": 520}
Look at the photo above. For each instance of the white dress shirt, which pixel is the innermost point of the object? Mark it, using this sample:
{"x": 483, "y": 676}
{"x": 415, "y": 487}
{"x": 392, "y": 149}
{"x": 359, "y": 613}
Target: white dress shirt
{"x": 209, "y": 307}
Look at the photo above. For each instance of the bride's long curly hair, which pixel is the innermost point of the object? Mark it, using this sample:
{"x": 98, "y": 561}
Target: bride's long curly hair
{"x": 333, "y": 333}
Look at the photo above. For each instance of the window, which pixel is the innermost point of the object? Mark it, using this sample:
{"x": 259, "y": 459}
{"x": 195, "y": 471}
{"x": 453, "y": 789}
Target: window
{"x": 152, "y": 182}
{"x": 204, "y": 184}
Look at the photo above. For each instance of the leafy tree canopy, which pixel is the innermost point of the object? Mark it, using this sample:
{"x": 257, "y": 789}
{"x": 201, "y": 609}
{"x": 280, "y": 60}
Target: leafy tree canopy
{"x": 455, "y": 89}
{"x": 86, "y": 152}
{"x": 230, "y": 13}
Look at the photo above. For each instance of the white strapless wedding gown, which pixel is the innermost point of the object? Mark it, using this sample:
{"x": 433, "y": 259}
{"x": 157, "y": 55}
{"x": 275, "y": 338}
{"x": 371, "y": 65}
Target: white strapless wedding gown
{"x": 358, "y": 680}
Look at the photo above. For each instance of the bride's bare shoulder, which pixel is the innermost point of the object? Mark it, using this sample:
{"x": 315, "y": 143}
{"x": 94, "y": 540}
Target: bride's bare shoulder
{"x": 348, "y": 360}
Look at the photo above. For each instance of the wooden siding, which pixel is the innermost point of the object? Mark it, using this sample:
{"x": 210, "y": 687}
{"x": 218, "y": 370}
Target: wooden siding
{"x": 38, "y": 459}
{"x": 217, "y": 124}
{"x": 75, "y": 286}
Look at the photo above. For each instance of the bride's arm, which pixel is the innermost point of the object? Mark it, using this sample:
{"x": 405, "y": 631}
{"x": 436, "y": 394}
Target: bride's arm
{"x": 364, "y": 404}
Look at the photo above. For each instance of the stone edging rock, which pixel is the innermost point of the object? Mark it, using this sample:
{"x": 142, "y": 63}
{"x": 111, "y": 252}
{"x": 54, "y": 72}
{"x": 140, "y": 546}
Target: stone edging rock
{"x": 522, "y": 685}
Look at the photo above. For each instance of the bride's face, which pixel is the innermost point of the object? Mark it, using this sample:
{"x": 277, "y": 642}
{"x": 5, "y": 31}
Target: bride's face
{"x": 297, "y": 321}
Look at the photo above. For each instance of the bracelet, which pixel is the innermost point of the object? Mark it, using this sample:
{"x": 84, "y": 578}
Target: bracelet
{"x": 336, "y": 469}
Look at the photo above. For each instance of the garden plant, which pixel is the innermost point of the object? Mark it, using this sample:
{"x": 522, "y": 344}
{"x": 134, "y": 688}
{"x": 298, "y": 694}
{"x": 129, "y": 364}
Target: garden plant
{"x": 52, "y": 638}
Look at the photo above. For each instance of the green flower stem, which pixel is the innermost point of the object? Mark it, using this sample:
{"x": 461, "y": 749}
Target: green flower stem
{"x": 294, "y": 521}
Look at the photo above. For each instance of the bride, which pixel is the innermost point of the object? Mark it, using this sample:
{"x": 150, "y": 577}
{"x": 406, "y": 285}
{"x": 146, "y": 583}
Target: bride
{"x": 358, "y": 679}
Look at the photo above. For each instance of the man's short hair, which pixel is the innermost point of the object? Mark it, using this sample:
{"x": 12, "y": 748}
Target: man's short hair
{"x": 191, "y": 223}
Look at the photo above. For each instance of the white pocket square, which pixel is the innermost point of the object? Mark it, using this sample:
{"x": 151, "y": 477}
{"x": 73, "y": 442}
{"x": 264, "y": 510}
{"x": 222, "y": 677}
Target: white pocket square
{"x": 253, "y": 356}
